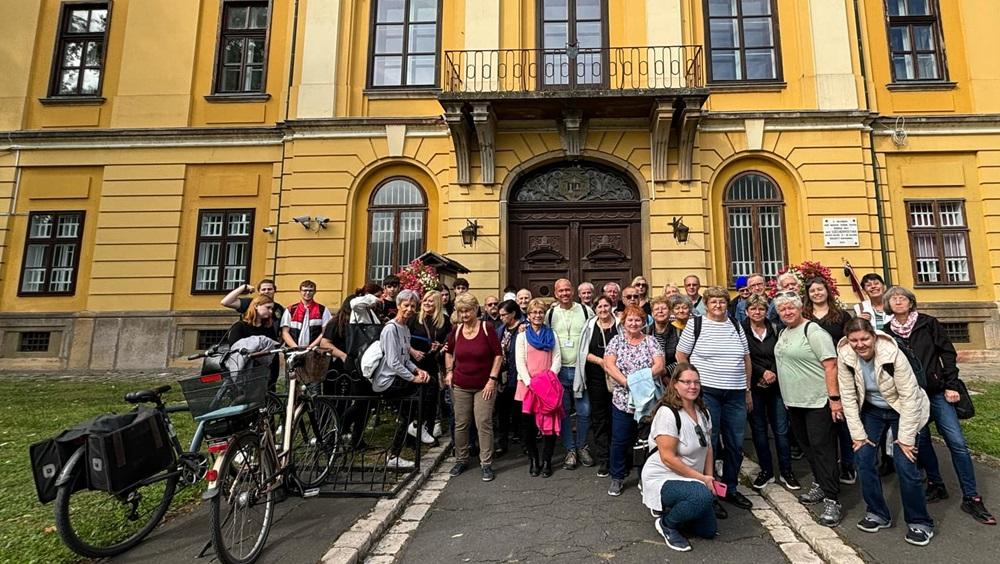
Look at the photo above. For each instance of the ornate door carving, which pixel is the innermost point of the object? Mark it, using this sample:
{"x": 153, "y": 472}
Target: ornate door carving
{"x": 580, "y": 221}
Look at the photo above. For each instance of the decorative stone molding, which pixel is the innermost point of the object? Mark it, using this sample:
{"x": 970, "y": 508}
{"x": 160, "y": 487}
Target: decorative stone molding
{"x": 455, "y": 119}
{"x": 572, "y": 129}
{"x": 659, "y": 138}
{"x": 687, "y": 129}
{"x": 485, "y": 123}
{"x": 577, "y": 183}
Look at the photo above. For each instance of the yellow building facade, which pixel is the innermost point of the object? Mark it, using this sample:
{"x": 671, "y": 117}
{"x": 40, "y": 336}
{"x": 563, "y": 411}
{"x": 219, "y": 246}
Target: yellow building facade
{"x": 155, "y": 154}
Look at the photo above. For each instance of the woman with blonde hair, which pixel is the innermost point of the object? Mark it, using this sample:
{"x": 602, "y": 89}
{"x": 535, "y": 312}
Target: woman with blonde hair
{"x": 428, "y": 332}
{"x": 642, "y": 286}
{"x": 670, "y": 290}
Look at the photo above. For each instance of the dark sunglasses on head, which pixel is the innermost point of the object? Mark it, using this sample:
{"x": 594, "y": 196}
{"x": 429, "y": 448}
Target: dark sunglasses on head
{"x": 701, "y": 436}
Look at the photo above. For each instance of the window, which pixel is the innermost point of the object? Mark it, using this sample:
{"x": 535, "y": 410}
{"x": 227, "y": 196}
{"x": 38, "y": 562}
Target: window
{"x": 34, "y": 341}
{"x": 914, "y": 40}
{"x": 939, "y": 242}
{"x": 208, "y": 338}
{"x": 404, "y": 43}
{"x": 755, "y": 235}
{"x": 743, "y": 40}
{"x": 51, "y": 253}
{"x": 223, "y": 250}
{"x": 573, "y": 36}
{"x": 397, "y": 216}
{"x": 241, "y": 63}
{"x": 78, "y": 63}
{"x": 957, "y": 332}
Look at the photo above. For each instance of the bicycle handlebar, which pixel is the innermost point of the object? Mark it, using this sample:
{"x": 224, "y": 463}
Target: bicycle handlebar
{"x": 248, "y": 354}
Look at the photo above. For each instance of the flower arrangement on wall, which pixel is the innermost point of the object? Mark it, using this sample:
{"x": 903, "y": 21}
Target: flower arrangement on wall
{"x": 418, "y": 277}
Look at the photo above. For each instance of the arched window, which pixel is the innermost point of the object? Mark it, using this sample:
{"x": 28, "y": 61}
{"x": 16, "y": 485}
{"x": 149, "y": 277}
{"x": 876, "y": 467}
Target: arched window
{"x": 755, "y": 220}
{"x": 397, "y": 217}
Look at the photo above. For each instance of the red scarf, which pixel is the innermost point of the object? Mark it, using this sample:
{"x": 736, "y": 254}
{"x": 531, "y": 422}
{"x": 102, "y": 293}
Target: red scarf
{"x": 299, "y": 313}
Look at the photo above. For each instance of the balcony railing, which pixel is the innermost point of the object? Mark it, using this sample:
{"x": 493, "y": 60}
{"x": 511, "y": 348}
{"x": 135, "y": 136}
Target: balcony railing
{"x": 541, "y": 70}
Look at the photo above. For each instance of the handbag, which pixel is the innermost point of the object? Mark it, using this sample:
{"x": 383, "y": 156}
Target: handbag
{"x": 964, "y": 407}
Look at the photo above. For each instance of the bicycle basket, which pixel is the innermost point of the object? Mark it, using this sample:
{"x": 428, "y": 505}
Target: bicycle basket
{"x": 311, "y": 367}
{"x": 212, "y": 392}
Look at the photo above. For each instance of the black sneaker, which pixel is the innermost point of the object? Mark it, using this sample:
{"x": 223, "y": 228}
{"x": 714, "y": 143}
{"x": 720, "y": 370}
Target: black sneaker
{"x": 616, "y": 487}
{"x": 813, "y": 496}
{"x": 873, "y": 523}
{"x": 974, "y": 506}
{"x": 797, "y": 453}
{"x": 935, "y": 492}
{"x": 789, "y": 481}
{"x": 886, "y": 467}
{"x": 674, "y": 539}
{"x": 763, "y": 478}
{"x": 488, "y": 474}
{"x": 739, "y": 500}
{"x": 458, "y": 468}
{"x": 848, "y": 475}
{"x": 720, "y": 511}
{"x": 602, "y": 470}
{"x": 919, "y": 537}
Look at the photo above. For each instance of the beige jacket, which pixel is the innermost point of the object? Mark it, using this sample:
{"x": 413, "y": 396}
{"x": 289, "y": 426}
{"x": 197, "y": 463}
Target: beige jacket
{"x": 900, "y": 391}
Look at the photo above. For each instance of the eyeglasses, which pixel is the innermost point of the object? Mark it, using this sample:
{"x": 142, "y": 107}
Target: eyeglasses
{"x": 491, "y": 304}
{"x": 690, "y": 382}
{"x": 788, "y": 294}
{"x": 309, "y": 290}
{"x": 640, "y": 285}
{"x": 631, "y": 296}
{"x": 701, "y": 436}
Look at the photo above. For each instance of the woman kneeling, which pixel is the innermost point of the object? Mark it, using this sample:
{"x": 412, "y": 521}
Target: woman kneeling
{"x": 677, "y": 479}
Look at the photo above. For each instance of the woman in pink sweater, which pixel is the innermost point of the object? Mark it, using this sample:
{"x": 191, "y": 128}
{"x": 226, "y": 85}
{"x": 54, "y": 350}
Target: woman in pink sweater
{"x": 536, "y": 353}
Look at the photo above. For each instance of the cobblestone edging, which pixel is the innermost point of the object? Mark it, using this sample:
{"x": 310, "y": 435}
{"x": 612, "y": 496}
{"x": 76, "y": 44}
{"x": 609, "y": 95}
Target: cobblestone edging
{"x": 788, "y": 520}
{"x": 369, "y": 534}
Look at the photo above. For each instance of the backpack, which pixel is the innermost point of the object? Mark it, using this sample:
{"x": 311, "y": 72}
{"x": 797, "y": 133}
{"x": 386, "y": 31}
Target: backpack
{"x": 677, "y": 420}
{"x": 911, "y": 357}
{"x": 697, "y": 329}
{"x": 587, "y": 314}
{"x": 371, "y": 360}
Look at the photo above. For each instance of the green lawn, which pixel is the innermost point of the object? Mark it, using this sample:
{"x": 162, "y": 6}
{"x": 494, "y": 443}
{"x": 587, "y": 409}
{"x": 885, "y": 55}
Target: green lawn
{"x": 983, "y": 431}
{"x": 35, "y": 409}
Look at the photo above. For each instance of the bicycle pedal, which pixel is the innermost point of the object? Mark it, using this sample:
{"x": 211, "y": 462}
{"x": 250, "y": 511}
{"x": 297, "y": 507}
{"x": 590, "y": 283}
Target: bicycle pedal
{"x": 311, "y": 492}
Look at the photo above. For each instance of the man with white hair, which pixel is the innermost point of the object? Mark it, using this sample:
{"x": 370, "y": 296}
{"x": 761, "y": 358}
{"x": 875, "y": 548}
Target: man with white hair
{"x": 585, "y": 291}
{"x": 614, "y": 292}
{"x": 787, "y": 282}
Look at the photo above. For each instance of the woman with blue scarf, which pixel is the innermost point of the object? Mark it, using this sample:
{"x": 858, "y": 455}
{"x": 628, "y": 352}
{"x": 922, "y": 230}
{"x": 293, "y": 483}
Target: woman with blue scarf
{"x": 535, "y": 352}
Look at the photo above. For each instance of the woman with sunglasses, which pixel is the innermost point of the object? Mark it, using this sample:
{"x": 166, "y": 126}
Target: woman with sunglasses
{"x": 677, "y": 478}
{"x": 642, "y": 287}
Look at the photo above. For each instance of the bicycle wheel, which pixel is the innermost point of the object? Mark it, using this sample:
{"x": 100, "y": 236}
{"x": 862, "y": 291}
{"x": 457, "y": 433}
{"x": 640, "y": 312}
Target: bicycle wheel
{"x": 99, "y": 524}
{"x": 241, "y": 512}
{"x": 314, "y": 442}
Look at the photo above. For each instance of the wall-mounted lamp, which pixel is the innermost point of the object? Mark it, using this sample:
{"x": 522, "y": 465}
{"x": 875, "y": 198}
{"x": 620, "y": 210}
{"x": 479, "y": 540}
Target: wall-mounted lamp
{"x": 303, "y": 220}
{"x": 268, "y": 230}
{"x": 321, "y": 221}
{"x": 680, "y": 230}
{"x": 470, "y": 232}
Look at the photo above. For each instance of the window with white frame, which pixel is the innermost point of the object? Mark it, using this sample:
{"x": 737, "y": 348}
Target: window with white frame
{"x": 939, "y": 242}
{"x": 223, "y": 246}
{"x": 51, "y": 253}
{"x": 755, "y": 217}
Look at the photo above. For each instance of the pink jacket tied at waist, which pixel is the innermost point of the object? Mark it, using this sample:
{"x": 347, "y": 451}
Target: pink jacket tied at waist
{"x": 544, "y": 399}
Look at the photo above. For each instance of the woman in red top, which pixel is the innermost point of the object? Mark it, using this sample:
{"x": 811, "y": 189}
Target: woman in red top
{"x": 473, "y": 369}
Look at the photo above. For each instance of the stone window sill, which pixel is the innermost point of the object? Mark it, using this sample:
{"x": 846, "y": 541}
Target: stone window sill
{"x": 921, "y": 86}
{"x": 72, "y": 100}
{"x": 748, "y": 87}
{"x": 231, "y": 98}
{"x": 402, "y": 93}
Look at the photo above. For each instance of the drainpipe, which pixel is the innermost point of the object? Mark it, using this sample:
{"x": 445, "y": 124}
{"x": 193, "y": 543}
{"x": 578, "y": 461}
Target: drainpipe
{"x": 876, "y": 176}
{"x": 281, "y": 167}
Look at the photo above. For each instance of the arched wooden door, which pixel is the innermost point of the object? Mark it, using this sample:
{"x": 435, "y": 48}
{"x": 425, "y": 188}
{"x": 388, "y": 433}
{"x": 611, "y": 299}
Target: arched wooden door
{"x": 580, "y": 221}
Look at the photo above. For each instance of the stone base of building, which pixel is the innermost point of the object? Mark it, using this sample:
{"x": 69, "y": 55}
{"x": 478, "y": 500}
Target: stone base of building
{"x": 152, "y": 340}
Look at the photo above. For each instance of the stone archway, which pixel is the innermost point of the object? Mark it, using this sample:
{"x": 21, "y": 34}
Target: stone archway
{"x": 573, "y": 219}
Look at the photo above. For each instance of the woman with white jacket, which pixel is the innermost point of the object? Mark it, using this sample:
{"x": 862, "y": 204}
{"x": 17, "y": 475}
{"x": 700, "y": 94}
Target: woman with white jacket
{"x": 878, "y": 390}
{"x": 535, "y": 351}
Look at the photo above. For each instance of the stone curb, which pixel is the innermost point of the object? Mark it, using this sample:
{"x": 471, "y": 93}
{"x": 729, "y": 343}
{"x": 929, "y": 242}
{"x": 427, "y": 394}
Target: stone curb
{"x": 352, "y": 546}
{"x": 822, "y": 544}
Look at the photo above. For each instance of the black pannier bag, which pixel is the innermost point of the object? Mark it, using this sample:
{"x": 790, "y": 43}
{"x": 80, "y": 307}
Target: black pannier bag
{"x": 127, "y": 448}
{"x": 359, "y": 337}
{"x": 49, "y": 456}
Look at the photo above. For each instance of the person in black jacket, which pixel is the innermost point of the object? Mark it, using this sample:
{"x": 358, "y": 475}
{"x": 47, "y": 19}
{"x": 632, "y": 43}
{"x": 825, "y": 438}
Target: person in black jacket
{"x": 258, "y": 319}
{"x": 926, "y": 338}
{"x": 768, "y": 409}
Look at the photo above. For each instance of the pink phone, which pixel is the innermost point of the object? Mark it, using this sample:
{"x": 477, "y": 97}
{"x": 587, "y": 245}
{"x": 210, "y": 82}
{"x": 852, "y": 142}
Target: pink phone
{"x": 720, "y": 488}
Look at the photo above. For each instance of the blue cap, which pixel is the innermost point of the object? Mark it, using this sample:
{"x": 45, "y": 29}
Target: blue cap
{"x": 741, "y": 282}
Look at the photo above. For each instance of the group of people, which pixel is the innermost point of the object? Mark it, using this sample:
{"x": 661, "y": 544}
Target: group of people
{"x": 678, "y": 375}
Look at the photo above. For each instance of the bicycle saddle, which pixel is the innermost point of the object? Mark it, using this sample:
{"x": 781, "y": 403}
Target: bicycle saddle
{"x": 144, "y": 396}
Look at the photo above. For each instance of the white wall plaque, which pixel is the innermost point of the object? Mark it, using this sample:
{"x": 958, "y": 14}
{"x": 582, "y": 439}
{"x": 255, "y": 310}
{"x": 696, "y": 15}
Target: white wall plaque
{"x": 840, "y": 232}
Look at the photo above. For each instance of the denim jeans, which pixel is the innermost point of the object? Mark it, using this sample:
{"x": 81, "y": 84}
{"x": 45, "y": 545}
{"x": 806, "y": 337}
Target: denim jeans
{"x": 769, "y": 410}
{"x": 582, "y": 404}
{"x": 623, "y": 434}
{"x": 943, "y": 415}
{"x": 846, "y": 444}
{"x": 688, "y": 504}
{"x": 728, "y": 409}
{"x": 911, "y": 488}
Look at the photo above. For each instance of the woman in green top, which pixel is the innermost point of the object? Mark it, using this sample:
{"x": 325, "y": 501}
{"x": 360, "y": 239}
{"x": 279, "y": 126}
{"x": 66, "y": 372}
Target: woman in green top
{"x": 807, "y": 368}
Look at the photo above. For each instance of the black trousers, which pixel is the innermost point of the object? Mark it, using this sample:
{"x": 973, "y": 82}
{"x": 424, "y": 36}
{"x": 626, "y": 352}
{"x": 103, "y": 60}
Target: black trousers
{"x": 508, "y": 414}
{"x": 600, "y": 417}
{"x": 529, "y": 432}
{"x": 408, "y": 411}
{"x": 817, "y": 437}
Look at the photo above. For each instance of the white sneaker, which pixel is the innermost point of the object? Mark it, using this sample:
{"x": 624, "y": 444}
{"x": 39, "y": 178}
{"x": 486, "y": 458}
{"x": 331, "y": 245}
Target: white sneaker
{"x": 425, "y": 437}
{"x": 395, "y": 463}
{"x": 438, "y": 429}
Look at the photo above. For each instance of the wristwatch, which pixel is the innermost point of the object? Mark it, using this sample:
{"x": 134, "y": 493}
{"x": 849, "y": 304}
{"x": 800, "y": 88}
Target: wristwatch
{"x": 834, "y": 398}
{"x": 495, "y": 378}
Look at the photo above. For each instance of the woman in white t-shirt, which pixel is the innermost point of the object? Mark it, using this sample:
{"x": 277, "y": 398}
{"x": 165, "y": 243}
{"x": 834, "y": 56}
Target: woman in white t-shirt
{"x": 677, "y": 480}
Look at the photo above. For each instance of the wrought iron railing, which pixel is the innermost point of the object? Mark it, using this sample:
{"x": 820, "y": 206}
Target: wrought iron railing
{"x": 539, "y": 70}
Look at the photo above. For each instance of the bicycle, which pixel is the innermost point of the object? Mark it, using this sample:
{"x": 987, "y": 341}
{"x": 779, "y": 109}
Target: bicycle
{"x": 98, "y": 523}
{"x": 254, "y": 468}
